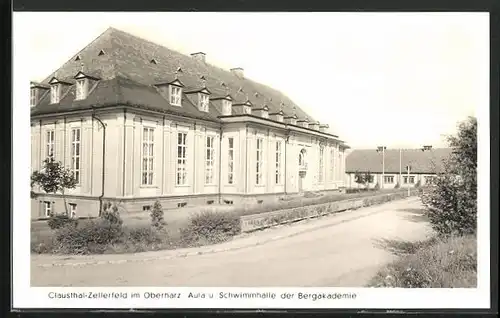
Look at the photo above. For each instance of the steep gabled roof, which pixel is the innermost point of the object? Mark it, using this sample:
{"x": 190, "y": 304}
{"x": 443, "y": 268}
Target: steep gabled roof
{"x": 369, "y": 160}
{"x": 126, "y": 65}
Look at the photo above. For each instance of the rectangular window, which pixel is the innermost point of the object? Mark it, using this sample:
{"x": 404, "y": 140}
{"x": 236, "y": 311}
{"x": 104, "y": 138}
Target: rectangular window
{"x": 147, "y": 156}
{"x": 181, "y": 159}
{"x": 410, "y": 179}
{"x": 80, "y": 89}
{"x": 54, "y": 94}
{"x": 33, "y": 96}
{"x": 226, "y": 107}
{"x": 230, "y": 162}
{"x": 209, "y": 160}
{"x": 388, "y": 179}
{"x": 75, "y": 152}
{"x": 259, "y": 161}
{"x": 50, "y": 143}
{"x": 278, "y": 163}
{"x": 175, "y": 95}
{"x": 321, "y": 165}
{"x": 48, "y": 208}
{"x": 72, "y": 210}
{"x": 203, "y": 102}
{"x": 332, "y": 164}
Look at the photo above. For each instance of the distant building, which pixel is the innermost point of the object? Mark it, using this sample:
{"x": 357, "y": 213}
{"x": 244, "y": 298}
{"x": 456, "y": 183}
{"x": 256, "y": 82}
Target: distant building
{"x": 138, "y": 122}
{"x": 425, "y": 163}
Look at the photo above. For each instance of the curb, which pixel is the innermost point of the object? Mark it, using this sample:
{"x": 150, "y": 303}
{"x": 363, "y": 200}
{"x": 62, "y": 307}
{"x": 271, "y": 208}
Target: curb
{"x": 212, "y": 251}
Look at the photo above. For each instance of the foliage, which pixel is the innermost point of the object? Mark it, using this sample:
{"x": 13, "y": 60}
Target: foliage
{"x": 60, "y": 220}
{"x": 397, "y": 186}
{"x": 448, "y": 263}
{"x": 364, "y": 178}
{"x": 451, "y": 201}
{"x": 110, "y": 212}
{"x": 210, "y": 227}
{"x": 157, "y": 219}
{"x": 418, "y": 184}
{"x": 53, "y": 178}
{"x": 377, "y": 186}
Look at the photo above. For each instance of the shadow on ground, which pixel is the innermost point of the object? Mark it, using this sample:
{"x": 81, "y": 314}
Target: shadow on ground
{"x": 414, "y": 215}
{"x": 401, "y": 247}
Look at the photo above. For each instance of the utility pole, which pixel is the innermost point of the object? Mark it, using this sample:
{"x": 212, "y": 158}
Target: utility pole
{"x": 399, "y": 181}
{"x": 382, "y": 149}
{"x": 408, "y": 178}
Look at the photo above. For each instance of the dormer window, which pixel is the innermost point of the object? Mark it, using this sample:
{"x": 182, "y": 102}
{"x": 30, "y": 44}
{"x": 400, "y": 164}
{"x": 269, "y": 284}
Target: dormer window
{"x": 247, "y": 110}
{"x": 175, "y": 95}
{"x": 226, "y": 107}
{"x": 81, "y": 89}
{"x": 203, "y": 102}
{"x": 55, "y": 93}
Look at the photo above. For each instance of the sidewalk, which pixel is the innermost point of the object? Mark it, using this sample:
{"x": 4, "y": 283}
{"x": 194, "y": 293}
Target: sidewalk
{"x": 238, "y": 242}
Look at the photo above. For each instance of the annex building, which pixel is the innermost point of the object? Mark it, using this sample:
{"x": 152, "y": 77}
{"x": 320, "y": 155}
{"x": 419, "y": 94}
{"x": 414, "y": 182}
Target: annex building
{"x": 388, "y": 168}
{"x": 137, "y": 122}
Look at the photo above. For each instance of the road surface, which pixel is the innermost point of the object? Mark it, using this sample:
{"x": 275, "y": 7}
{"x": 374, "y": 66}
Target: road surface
{"x": 341, "y": 250}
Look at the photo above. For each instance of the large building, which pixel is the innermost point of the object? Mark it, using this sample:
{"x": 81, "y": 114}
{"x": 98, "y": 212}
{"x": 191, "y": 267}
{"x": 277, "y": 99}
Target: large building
{"x": 136, "y": 122}
{"x": 387, "y": 168}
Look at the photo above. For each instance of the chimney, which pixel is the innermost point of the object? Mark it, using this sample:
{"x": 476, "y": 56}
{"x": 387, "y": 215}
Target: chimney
{"x": 199, "y": 56}
{"x": 238, "y": 71}
{"x": 323, "y": 128}
{"x": 314, "y": 125}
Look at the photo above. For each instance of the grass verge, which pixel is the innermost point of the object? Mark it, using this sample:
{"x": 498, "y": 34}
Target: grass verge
{"x": 435, "y": 263}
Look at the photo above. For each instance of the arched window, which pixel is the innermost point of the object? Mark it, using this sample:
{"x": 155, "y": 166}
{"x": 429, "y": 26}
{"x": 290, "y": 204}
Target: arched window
{"x": 301, "y": 159}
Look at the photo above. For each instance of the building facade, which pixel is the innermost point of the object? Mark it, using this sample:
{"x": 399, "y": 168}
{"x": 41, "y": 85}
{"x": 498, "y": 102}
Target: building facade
{"x": 137, "y": 122}
{"x": 388, "y": 169}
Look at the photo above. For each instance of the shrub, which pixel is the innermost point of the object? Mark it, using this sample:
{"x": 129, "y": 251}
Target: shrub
{"x": 397, "y": 186}
{"x": 157, "y": 220}
{"x": 111, "y": 213}
{"x": 418, "y": 184}
{"x": 210, "y": 227}
{"x": 91, "y": 237}
{"x": 449, "y": 263}
{"x": 377, "y": 186}
{"x": 451, "y": 201}
{"x": 60, "y": 220}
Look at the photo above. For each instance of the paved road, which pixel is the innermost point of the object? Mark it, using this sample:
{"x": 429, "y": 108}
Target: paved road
{"x": 342, "y": 250}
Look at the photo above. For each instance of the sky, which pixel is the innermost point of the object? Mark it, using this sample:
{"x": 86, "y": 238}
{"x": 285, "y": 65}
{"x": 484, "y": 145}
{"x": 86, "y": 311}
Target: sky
{"x": 393, "y": 79}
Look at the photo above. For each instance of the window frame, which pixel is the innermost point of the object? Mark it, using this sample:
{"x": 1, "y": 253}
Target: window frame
{"x": 55, "y": 93}
{"x": 175, "y": 95}
{"x": 203, "y": 102}
{"x": 81, "y": 85}
{"x": 33, "y": 96}
{"x": 209, "y": 160}
{"x": 181, "y": 163}
{"x": 50, "y": 143}
{"x": 226, "y": 107}
{"x": 147, "y": 156}
{"x": 72, "y": 209}
{"x": 259, "y": 150}
{"x": 47, "y": 207}
{"x": 332, "y": 164}
{"x": 321, "y": 164}
{"x": 76, "y": 153}
{"x": 230, "y": 162}
{"x": 388, "y": 179}
{"x": 278, "y": 178}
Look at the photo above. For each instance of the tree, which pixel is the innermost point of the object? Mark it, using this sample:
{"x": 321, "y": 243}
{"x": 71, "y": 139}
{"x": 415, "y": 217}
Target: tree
{"x": 359, "y": 178}
{"x": 368, "y": 177}
{"x": 157, "y": 220}
{"x": 53, "y": 178}
{"x": 452, "y": 200}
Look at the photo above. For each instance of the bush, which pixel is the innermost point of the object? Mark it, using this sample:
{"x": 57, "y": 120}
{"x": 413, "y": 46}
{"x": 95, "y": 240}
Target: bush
{"x": 60, "y": 220}
{"x": 451, "y": 201}
{"x": 397, "y": 186}
{"x": 157, "y": 220}
{"x": 111, "y": 213}
{"x": 449, "y": 263}
{"x": 377, "y": 186}
{"x": 210, "y": 227}
{"x": 418, "y": 184}
{"x": 91, "y": 237}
